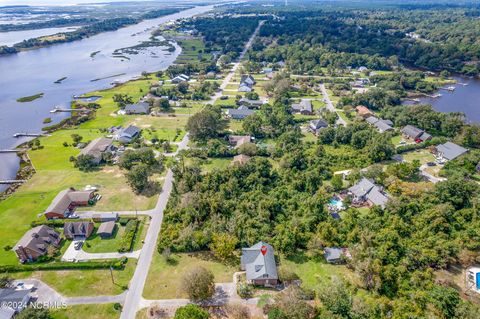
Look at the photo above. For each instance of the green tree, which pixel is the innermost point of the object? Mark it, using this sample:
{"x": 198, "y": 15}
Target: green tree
{"x": 191, "y": 311}
{"x": 223, "y": 245}
{"x": 137, "y": 177}
{"x": 337, "y": 182}
{"x": 198, "y": 284}
{"x": 206, "y": 124}
{"x": 34, "y": 313}
{"x": 85, "y": 163}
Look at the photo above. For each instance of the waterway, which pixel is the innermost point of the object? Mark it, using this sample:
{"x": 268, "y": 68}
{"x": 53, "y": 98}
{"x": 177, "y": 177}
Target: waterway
{"x": 465, "y": 98}
{"x": 35, "y": 71}
{"x": 13, "y": 37}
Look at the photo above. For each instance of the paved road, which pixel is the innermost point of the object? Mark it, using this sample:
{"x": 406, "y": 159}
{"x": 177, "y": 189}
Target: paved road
{"x": 137, "y": 284}
{"x": 330, "y": 105}
{"x": 233, "y": 70}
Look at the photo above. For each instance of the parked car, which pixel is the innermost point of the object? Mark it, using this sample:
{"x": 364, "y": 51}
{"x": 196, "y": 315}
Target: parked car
{"x": 73, "y": 216}
{"x": 78, "y": 245}
{"x": 431, "y": 164}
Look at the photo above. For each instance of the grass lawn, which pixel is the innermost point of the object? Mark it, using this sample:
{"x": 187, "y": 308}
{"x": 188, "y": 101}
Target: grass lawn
{"x": 315, "y": 272}
{"x": 101, "y": 311}
{"x": 230, "y": 102}
{"x": 423, "y": 155}
{"x": 164, "y": 279}
{"x": 78, "y": 283}
{"x": 95, "y": 244}
{"x": 396, "y": 140}
{"x": 317, "y": 105}
{"x": 235, "y": 125}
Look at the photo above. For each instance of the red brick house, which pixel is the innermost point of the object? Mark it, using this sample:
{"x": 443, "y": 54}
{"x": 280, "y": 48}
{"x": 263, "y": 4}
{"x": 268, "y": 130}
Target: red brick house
{"x": 66, "y": 201}
{"x": 35, "y": 243}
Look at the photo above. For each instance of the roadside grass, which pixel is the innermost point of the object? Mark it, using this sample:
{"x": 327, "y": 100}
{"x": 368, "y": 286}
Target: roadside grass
{"x": 164, "y": 278}
{"x": 79, "y": 283}
{"x": 314, "y": 272}
{"x": 99, "y": 311}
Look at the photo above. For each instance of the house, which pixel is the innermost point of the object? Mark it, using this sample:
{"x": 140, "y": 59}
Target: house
{"x": 250, "y": 103}
{"x": 363, "y": 111}
{"x": 381, "y": 125}
{"x": 35, "y": 243}
{"x": 180, "y": 78}
{"x": 362, "y": 69}
{"x": 78, "y": 230}
{"x": 304, "y": 107}
{"x": 478, "y": 167}
{"x": 106, "y": 229}
{"x": 128, "y": 134}
{"x": 335, "y": 255}
{"x": 64, "y": 204}
{"x": 13, "y": 301}
{"x": 365, "y": 191}
{"x": 105, "y": 217}
{"x": 360, "y": 83}
{"x": 238, "y": 140}
{"x": 416, "y": 134}
{"x": 246, "y": 83}
{"x": 267, "y": 70}
{"x": 239, "y": 113}
{"x": 138, "y": 108}
{"x": 97, "y": 148}
{"x": 316, "y": 125}
{"x": 450, "y": 151}
{"x": 241, "y": 159}
{"x": 259, "y": 264}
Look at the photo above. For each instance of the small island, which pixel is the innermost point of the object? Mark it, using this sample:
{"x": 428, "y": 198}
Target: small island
{"x": 30, "y": 98}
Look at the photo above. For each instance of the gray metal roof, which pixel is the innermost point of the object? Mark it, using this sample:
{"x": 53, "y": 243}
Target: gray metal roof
{"x": 239, "y": 113}
{"x": 382, "y": 126}
{"x": 366, "y": 189}
{"x": 139, "y": 108}
{"x": 332, "y": 254}
{"x": 304, "y": 105}
{"x": 258, "y": 266}
{"x": 412, "y": 131}
{"x": 8, "y": 295}
{"x": 451, "y": 150}
{"x": 317, "y": 124}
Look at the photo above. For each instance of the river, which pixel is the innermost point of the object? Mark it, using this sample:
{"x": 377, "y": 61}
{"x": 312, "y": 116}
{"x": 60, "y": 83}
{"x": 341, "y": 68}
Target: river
{"x": 35, "y": 71}
{"x": 465, "y": 98}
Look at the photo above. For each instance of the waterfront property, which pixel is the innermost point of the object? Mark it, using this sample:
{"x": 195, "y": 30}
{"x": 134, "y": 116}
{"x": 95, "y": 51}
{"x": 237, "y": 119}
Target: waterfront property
{"x": 259, "y": 264}
{"x": 138, "y": 108}
{"x": 78, "y": 230}
{"x": 126, "y": 135}
{"x": 64, "y": 204}
{"x": 449, "y": 151}
{"x": 366, "y": 193}
{"x": 97, "y": 148}
{"x": 35, "y": 243}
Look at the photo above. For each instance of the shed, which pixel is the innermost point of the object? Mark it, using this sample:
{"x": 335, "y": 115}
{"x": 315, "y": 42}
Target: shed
{"x": 106, "y": 229}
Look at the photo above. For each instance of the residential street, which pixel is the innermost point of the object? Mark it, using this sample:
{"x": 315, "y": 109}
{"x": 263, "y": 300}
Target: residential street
{"x": 330, "y": 105}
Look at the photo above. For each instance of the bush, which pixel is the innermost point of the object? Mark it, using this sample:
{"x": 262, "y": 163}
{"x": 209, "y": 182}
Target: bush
{"x": 128, "y": 236}
{"x": 124, "y": 220}
{"x": 89, "y": 265}
{"x": 244, "y": 290}
{"x": 117, "y": 306}
{"x": 191, "y": 312}
{"x": 198, "y": 284}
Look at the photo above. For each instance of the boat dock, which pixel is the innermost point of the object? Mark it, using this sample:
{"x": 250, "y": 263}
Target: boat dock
{"x": 29, "y": 135}
{"x": 448, "y": 88}
{"x": 13, "y": 151}
{"x": 12, "y": 181}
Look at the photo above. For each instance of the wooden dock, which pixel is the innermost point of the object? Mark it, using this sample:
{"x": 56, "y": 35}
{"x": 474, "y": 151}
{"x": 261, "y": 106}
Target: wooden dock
{"x": 13, "y": 151}
{"x": 29, "y": 135}
{"x": 57, "y": 109}
{"x": 12, "y": 181}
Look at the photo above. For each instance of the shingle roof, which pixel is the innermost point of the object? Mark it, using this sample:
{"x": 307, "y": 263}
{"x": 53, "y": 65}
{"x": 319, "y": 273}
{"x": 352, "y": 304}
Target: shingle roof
{"x": 304, "y": 105}
{"x": 412, "y": 131}
{"x": 131, "y": 131}
{"x": 382, "y": 126}
{"x": 365, "y": 188}
{"x": 38, "y": 239}
{"x": 8, "y": 295}
{"x": 317, "y": 124}
{"x": 257, "y": 265}
{"x": 451, "y": 150}
{"x": 65, "y": 198}
{"x": 73, "y": 229}
{"x": 96, "y": 147}
{"x": 371, "y": 120}
{"x": 138, "y": 108}
{"x": 106, "y": 228}
{"x": 241, "y": 112}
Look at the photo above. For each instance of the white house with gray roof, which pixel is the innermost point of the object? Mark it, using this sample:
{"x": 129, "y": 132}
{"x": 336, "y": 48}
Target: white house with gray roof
{"x": 259, "y": 264}
{"x": 365, "y": 191}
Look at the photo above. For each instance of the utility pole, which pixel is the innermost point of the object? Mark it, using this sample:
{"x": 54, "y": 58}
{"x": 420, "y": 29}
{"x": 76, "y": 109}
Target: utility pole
{"x": 111, "y": 274}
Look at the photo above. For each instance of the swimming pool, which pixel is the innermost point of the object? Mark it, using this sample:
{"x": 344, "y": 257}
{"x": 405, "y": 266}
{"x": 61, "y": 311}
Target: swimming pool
{"x": 336, "y": 203}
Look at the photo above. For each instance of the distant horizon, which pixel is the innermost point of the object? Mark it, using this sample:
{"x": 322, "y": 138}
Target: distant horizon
{"x": 68, "y": 2}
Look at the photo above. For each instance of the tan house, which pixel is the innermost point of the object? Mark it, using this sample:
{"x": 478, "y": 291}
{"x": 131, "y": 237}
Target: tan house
{"x": 66, "y": 201}
{"x": 35, "y": 243}
{"x": 363, "y": 111}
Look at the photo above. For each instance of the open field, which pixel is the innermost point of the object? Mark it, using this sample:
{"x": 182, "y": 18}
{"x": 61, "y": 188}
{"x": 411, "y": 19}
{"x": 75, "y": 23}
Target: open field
{"x": 102, "y": 311}
{"x": 164, "y": 278}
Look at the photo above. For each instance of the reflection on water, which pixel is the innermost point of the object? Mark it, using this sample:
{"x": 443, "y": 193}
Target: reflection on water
{"x": 32, "y": 72}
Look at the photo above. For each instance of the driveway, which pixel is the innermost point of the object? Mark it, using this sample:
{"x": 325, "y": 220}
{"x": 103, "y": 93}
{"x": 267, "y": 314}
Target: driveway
{"x": 430, "y": 177}
{"x": 71, "y": 254}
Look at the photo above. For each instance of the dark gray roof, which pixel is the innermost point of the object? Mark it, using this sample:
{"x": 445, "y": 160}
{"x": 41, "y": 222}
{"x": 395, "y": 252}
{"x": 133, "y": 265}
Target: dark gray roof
{"x": 412, "y": 131}
{"x": 371, "y": 120}
{"x": 382, "y": 126}
{"x": 131, "y": 131}
{"x": 247, "y": 79}
{"x": 318, "y": 124}
{"x": 258, "y": 266}
{"x": 139, "y": 108}
{"x": 38, "y": 239}
{"x": 8, "y": 295}
{"x": 425, "y": 136}
{"x": 106, "y": 228}
{"x": 304, "y": 105}
{"x": 240, "y": 113}
{"x": 96, "y": 147}
{"x": 451, "y": 150}
{"x": 73, "y": 229}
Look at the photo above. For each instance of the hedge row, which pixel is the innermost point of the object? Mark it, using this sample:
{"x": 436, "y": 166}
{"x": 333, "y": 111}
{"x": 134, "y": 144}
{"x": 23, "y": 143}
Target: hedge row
{"x": 128, "y": 236}
{"x": 118, "y": 264}
{"x": 55, "y": 222}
